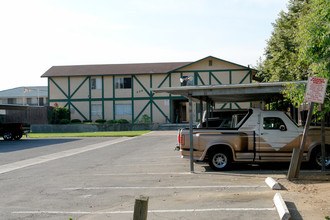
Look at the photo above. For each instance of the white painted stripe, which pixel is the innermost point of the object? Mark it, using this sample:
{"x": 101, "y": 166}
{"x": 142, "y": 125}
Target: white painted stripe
{"x": 140, "y": 174}
{"x": 42, "y": 159}
{"x": 162, "y": 187}
{"x": 149, "y": 164}
{"x": 150, "y": 211}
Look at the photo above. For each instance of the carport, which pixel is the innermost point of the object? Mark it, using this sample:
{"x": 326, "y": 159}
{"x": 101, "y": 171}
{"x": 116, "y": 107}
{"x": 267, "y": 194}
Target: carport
{"x": 225, "y": 93}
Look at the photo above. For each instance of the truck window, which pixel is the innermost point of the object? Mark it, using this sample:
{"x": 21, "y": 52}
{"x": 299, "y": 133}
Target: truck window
{"x": 272, "y": 123}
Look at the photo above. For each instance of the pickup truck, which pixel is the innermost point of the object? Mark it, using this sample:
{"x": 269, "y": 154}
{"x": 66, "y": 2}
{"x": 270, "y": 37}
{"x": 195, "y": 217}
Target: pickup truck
{"x": 11, "y": 131}
{"x": 260, "y": 136}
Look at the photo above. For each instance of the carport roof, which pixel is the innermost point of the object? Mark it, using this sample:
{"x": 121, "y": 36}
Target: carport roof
{"x": 231, "y": 92}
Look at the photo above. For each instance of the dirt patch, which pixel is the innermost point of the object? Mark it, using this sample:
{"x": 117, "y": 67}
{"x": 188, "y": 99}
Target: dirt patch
{"x": 309, "y": 196}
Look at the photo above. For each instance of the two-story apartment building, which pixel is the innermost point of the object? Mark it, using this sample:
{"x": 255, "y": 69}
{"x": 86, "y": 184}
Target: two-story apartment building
{"x": 122, "y": 91}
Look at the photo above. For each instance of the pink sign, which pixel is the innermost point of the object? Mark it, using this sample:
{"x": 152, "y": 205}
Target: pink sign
{"x": 316, "y": 88}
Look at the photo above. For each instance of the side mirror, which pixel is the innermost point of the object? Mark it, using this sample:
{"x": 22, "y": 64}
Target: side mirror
{"x": 282, "y": 128}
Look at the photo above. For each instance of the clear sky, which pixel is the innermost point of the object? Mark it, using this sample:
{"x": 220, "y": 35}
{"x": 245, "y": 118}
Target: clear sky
{"x": 38, "y": 34}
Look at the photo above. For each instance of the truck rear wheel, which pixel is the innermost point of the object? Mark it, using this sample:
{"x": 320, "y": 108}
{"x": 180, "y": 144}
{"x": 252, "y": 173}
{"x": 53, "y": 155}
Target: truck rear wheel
{"x": 220, "y": 160}
{"x": 17, "y": 137}
{"x": 316, "y": 157}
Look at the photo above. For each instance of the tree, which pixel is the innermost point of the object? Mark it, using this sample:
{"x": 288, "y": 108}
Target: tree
{"x": 281, "y": 59}
{"x": 314, "y": 41}
{"x": 299, "y": 47}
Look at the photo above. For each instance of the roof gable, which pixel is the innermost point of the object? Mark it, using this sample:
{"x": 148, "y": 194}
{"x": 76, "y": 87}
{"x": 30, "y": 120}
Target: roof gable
{"x": 203, "y": 64}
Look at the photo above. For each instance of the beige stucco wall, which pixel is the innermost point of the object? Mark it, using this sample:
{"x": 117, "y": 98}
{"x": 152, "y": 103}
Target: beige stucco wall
{"x": 54, "y": 91}
{"x": 138, "y": 89}
{"x": 83, "y": 91}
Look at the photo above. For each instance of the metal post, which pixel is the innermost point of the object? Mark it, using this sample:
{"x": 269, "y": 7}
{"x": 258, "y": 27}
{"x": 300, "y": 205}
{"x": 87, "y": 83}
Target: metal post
{"x": 191, "y": 136}
{"x": 201, "y": 112}
{"x": 207, "y": 113}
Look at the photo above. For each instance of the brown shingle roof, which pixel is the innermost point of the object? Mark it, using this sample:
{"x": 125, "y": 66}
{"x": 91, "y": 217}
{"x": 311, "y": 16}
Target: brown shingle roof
{"x": 113, "y": 69}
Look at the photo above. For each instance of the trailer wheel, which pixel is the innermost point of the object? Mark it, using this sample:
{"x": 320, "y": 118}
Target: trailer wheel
{"x": 220, "y": 160}
{"x": 316, "y": 158}
{"x": 8, "y": 136}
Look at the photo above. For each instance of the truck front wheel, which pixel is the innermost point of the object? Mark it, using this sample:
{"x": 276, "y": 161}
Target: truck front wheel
{"x": 220, "y": 160}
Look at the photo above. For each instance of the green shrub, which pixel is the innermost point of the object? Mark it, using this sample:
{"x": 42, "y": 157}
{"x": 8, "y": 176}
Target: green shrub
{"x": 75, "y": 121}
{"x": 123, "y": 121}
{"x": 87, "y": 121}
{"x": 59, "y": 113}
{"x": 100, "y": 121}
{"x": 64, "y": 121}
{"x": 120, "y": 121}
{"x": 145, "y": 119}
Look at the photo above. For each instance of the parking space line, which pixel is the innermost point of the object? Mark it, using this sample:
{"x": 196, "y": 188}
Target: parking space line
{"x": 162, "y": 187}
{"x": 45, "y": 158}
{"x": 150, "y": 211}
{"x": 149, "y": 164}
{"x": 139, "y": 174}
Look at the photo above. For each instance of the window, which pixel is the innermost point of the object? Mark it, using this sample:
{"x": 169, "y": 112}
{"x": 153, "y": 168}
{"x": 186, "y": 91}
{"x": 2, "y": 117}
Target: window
{"x": 273, "y": 123}
{"x": 123, "y": 109}
{"x": 210, "y": 63}
{"x": 29, "y": 101}
{"x": 123, "y": 83}
{"x": 11, "y": 101}
{"x": 41, "y": 101}
{"x": 97, "y": 109}
{"x": 96, "y": 83}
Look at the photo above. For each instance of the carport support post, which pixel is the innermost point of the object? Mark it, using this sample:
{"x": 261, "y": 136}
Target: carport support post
{"x": 201, "y": 112}
{"x": 191, "y": 136}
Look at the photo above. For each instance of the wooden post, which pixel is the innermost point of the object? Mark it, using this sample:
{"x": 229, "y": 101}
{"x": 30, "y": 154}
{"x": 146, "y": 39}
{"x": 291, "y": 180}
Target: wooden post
{"x": 141, "y": 208}
{"x": 296, "y": 159}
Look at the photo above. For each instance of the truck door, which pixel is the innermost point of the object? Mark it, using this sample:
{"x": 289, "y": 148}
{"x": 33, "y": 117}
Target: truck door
{"x": 277, "y": 138}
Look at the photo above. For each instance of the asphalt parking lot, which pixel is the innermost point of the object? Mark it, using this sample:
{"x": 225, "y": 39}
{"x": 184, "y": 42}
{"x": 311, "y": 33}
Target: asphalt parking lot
{"x": 99, "y": 178}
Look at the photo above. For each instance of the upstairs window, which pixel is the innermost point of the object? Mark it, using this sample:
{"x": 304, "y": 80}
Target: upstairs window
{"x": 11, "y": 101}
{"x": 96, "y": 83}
{"x": 123, "y": 83}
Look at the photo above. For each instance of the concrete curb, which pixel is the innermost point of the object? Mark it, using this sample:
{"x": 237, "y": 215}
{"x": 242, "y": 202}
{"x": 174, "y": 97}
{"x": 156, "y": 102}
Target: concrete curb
{"x": 281, "y": 207}
{"x": 272, "y": 183}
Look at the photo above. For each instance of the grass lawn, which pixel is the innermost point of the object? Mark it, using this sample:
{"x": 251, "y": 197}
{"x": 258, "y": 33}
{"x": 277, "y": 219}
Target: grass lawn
{"x": 89, "y": 134}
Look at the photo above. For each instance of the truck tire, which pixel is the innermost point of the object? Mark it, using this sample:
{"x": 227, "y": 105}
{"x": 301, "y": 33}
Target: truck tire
{"x": 220, "y": 160}
{"x": 316, "y": 157}
{"x": 17, "y": 137}
{"x": 8, "y": 136}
